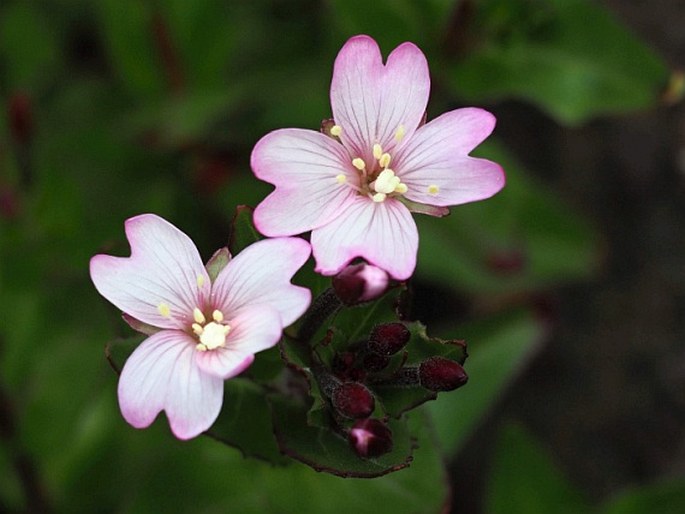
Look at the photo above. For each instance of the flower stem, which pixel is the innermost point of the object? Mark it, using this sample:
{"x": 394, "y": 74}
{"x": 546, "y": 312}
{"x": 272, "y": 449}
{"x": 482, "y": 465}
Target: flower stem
{"x": 323, "y": 307}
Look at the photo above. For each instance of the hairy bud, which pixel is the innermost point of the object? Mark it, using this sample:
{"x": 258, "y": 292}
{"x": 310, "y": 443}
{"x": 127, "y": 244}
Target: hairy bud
{"x": 360, "y": 283}
{"x": 353, "y": 400}
{"x": 388, "y": 338}
{"x": 370, "y": 438}
{"x": 440, "y": 374}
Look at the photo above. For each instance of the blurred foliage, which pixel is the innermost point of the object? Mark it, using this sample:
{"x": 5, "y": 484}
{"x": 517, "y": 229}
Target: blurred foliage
{"x": 115, "y": 108}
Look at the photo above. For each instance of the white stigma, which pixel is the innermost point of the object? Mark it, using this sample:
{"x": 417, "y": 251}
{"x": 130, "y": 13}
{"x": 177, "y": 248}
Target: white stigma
{"x": 213, "y": 336}
{"x": 336, "y": 130}
{"x": 386, "y": 182}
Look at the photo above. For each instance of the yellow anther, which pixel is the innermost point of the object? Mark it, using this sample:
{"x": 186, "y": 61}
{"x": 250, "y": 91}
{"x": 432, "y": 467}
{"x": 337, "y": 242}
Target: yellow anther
{"x": 198, "y": 316}
{"x": 164, "y": 309}
{"x": 433, "y": 189}
{"x": 399, "y": 133}
{"x": 379, "y": 197}
{"x": 200, "y": 347}
{"x": 377, "y": 151}
{"x": 341, "y": 179}
{"x": 384, "y": 161}
{"x": 197, "y": 328}
{"x": 218, "y": 316}
{"x": 401, "y": 188}
{"x": 336, "y": 130}
{"x": 200, "y": 281}
{"x": 359, "y": 163}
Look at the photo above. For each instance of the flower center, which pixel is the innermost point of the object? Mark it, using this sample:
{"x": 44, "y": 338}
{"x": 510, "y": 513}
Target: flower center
{"x": 211, "y": 335}
{"x": 378, "y": 181}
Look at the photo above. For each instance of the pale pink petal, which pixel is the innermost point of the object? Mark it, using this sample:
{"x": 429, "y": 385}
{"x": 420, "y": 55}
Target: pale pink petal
{"x": 382, "y": 233}
{"x": 304, "y": 166}
{"x": 370, "y": 101}
{"x": 164, "y": 274}
{"x": 435, "y": 165}
{"x": 261, "y": 274}
{"x": 253, "y": 329}
{"x": 161, "y": 374}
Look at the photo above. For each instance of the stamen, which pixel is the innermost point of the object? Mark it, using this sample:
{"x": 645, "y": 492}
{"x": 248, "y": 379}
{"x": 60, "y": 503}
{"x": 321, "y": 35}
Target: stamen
{"x": 379, "y": 197}
{"x": 359, "y": 163}
{"x": 218, "y": 316}
{"x": 384, "y": 161}
{"x": 377, "y": 151}
{"x": 200, "y": 347}
{"x": 399, "y": 133}
{"x": 197, "y": 328}
{"x": 200, "y": 281}
{"x": 198, "y": 316}
{"x": 401, "y": 188}
{"x": 433, "y": 189}
{"x": 341, "y": 179}
{"x": 164, "y": 309}
{"x": 214, "y": 335}
{"x": 336, "y": 130}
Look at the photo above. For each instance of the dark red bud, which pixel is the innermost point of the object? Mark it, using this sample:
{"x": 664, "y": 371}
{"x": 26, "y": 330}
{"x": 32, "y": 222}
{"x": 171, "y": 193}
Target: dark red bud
{"x": 440, "y": 374}
{"x": 388, "y": 338}
{"x": 353, "y": 400}
{"x": 374, "y": 362}
{"x": 359, "y": 283}
{"x": 370, "y": 438}
{"x": 20, "y": 115}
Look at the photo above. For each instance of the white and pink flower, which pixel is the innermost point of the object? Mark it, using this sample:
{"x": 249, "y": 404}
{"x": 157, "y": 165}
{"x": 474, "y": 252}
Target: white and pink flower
{"x": 355, "y": 190}
{"x": 208, "y": 332}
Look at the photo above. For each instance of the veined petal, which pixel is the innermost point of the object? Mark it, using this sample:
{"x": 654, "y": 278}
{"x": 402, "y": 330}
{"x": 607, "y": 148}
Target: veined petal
{"x": 304, "y": 166}
{"x": 371, "y": 100}
{"x": 161, "y": 374}
{"x": 253, "y": 329}
{"x": 161, "y": 282}
{"x": 382, "y": 233}
{"x": 261, "y": 274}
{"x": 435, "y": 164}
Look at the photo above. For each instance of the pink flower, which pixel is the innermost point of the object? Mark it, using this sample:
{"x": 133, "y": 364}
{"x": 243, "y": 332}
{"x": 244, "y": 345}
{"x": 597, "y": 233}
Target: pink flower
{"x": 355, "y": 190}
{"x": 209, "y": 332}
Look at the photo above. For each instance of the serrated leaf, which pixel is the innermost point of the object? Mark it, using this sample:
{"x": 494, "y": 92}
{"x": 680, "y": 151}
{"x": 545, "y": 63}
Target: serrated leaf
{"x": 324, "y": 450}
{"x": 243, "y": 231}
{"x": 524, "y": 480}
{"x": 570, "y": 57}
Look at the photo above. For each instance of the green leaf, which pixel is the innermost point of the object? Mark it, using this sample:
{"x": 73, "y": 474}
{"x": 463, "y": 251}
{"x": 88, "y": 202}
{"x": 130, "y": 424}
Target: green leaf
{"x": 243, "y": 231}
{"x": 118, "y": 351}
{"x": 521, "y": 239}
{"x": 245, "y": 422}
{"x": 525, "y": 481}
{"x": 665, "y": 497}
{"x": 567, "y": 56}
{"x": 498, "y": 349}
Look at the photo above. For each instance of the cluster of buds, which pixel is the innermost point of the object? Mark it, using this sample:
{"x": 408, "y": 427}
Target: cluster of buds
{"x": 350, "y": 384}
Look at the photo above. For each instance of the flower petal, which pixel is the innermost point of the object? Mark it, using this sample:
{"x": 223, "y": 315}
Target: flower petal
{"x": 370, "y": 101}
{"x": 161, "y": 374}
{"x": 261, "y": 274}
{"x": 253, "y": 329}
{"x": 161, "y": 282}
{"x": 382, "y": 233}
{"x": 303, "y": 165}
{"x": 435, "y": 164}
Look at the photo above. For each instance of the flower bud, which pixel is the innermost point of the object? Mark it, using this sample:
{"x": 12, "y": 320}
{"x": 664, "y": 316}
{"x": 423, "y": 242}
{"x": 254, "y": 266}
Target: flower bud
{"x": 359, "y": 283}
{"x": 388, "y": 338}
{"x": 370, "y": 438}
{"x": 440, "y": 374}
{"x": 353, "y": 400}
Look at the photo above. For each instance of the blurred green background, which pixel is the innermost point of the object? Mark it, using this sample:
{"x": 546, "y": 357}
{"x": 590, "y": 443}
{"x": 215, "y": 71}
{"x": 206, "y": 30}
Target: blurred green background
{"x": 569, "y": 285}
